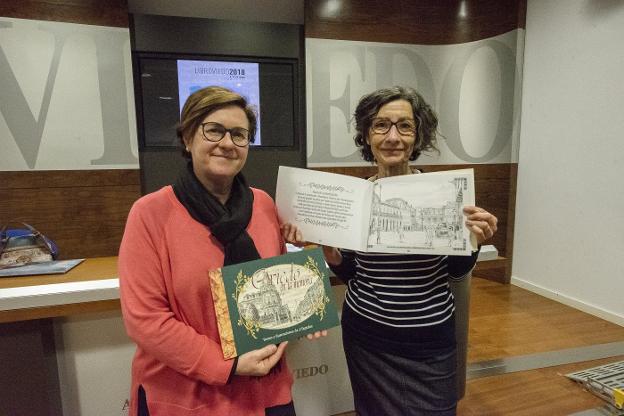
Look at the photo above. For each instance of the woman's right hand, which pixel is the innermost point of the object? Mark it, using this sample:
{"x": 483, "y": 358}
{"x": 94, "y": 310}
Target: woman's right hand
{"x": 260, "y": 362}
{"x": 291, "y": 234}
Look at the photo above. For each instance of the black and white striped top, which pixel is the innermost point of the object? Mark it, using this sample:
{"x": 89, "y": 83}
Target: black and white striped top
{"x": 401, "y": 297}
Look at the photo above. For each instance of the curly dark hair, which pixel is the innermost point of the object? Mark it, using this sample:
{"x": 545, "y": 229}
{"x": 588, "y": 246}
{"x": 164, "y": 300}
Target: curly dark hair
{"x": 425, "y": 117}
{"x": 208, "y": 100}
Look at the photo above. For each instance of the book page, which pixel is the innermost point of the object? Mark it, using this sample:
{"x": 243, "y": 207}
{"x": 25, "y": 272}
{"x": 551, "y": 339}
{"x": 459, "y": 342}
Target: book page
{"x": 328, "y": 208}
{"x": 422, "y": 213}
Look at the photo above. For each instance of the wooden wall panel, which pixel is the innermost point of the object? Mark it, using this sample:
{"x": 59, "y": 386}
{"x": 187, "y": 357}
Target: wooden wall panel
{"x": 425, "y": 22}
{"x": 89, "y": 12}
{"x": 84, "y": 212}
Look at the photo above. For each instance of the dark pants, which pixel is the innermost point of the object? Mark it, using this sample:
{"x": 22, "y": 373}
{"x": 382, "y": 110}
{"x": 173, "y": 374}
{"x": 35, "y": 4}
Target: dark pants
{"x": 390, "y": 385}
{"x": 281, "y": 410}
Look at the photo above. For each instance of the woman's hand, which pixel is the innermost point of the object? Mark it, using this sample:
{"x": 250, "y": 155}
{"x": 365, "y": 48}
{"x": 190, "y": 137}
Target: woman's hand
{"x": 260, "y": 362}
{"x": 317, "y": 334}
{"x": 481, "y": 223}
{"x": 291, "y": 234}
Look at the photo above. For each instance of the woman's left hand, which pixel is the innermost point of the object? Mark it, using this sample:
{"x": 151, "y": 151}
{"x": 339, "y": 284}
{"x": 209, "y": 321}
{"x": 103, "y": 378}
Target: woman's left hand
{"x": 481, "y": 223}
{"x": 291, "y": 234}
{"x": 317, "y": 334}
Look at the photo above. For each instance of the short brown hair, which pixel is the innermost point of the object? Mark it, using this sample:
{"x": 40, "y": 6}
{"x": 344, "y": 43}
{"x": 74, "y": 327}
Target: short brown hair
{"x": 425, "y": 117}
{"x": 208, "y": 100}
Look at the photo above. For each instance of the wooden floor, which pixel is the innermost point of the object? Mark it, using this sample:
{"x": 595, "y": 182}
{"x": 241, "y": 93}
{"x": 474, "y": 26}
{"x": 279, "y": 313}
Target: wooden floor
{"x": 540, "y": 392}
{"x": 507, "y": 321}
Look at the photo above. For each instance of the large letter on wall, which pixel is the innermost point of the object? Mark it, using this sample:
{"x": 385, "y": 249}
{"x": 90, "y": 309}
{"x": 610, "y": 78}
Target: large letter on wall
{"x": 472, "y": 87}
{"x": 25, "y": 128}
{"x": 112, "y": 79}
{"x": 450, "y": 102}
{"x": 66, "y": 97}
{"x": 321, "y": 105}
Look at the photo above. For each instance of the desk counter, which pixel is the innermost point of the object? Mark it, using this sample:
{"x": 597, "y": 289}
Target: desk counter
{"x": 92, "y": 286}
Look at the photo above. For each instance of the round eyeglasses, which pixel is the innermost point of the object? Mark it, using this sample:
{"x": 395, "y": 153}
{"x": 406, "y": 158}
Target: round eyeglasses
{"x": 406, "y": 127}
{"x": 215, "y": 132}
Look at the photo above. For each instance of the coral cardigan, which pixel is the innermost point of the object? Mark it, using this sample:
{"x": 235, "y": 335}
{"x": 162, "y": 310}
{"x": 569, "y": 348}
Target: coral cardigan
{"x": 164, "y": 260}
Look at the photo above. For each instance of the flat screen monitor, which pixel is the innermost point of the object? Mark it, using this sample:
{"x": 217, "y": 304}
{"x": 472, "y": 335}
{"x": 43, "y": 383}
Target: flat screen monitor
{"x": 165, "y": 82}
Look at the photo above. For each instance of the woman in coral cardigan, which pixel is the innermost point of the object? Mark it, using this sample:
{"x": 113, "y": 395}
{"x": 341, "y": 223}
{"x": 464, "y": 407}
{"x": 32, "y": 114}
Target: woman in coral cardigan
{"x": 209, "y": 218}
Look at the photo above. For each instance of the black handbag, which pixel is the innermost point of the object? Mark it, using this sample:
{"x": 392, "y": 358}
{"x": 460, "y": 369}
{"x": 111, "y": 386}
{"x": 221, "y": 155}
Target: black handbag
{"x": 25, "y": 245}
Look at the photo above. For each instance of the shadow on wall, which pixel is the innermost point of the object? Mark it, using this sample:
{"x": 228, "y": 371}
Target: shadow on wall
{"x": 599, "y": 9}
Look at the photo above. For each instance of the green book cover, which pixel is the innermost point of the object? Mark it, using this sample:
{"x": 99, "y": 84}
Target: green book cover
{"x": 272, "y": 300}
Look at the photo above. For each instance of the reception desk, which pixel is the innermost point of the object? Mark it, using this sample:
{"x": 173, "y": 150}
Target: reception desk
{"x": 92, "y": 286}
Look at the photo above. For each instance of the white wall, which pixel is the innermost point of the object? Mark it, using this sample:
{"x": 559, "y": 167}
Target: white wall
{"x": 569, "y": 230}
{"x": 67, "y": 98}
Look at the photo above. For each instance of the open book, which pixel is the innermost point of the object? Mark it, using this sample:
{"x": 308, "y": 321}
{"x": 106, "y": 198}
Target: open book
{"x": 419, "y": 213}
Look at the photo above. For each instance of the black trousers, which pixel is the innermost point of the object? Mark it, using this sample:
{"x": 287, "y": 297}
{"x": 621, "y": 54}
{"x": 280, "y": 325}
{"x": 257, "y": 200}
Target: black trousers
{"x": 287, "y": 409}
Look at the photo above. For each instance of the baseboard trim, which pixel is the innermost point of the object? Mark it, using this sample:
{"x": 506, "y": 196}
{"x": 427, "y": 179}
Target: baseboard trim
{"x": 569, "y": 301}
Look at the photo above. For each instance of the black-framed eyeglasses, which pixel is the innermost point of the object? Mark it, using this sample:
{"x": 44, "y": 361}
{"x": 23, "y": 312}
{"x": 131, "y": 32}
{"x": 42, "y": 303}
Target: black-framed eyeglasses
{"x": 405, "y": 127}
{"x": 215, "y": 132}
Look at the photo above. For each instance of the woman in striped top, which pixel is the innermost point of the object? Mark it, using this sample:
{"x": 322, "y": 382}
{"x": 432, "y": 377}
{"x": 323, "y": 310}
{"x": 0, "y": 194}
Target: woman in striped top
{"x": 398, "y": 318}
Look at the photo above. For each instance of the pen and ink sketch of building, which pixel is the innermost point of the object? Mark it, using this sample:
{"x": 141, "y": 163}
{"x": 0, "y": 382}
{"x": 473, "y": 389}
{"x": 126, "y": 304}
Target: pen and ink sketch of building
{"x": 311, "y": 299}
{"x": 396, "y": 221}
{"x": 267, "y": 306}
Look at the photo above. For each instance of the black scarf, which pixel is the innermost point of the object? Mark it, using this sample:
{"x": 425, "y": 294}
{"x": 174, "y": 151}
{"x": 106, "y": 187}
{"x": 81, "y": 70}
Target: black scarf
{"x": 227, "y": 223}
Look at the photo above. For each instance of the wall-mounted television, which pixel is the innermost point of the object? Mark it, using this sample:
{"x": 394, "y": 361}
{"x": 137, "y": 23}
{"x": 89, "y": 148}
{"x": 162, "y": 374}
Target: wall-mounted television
{"x": 165, "y": 81}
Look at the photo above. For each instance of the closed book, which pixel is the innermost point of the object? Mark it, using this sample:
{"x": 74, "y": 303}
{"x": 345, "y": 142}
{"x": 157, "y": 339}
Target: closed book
{"x": 268, "y": 301}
